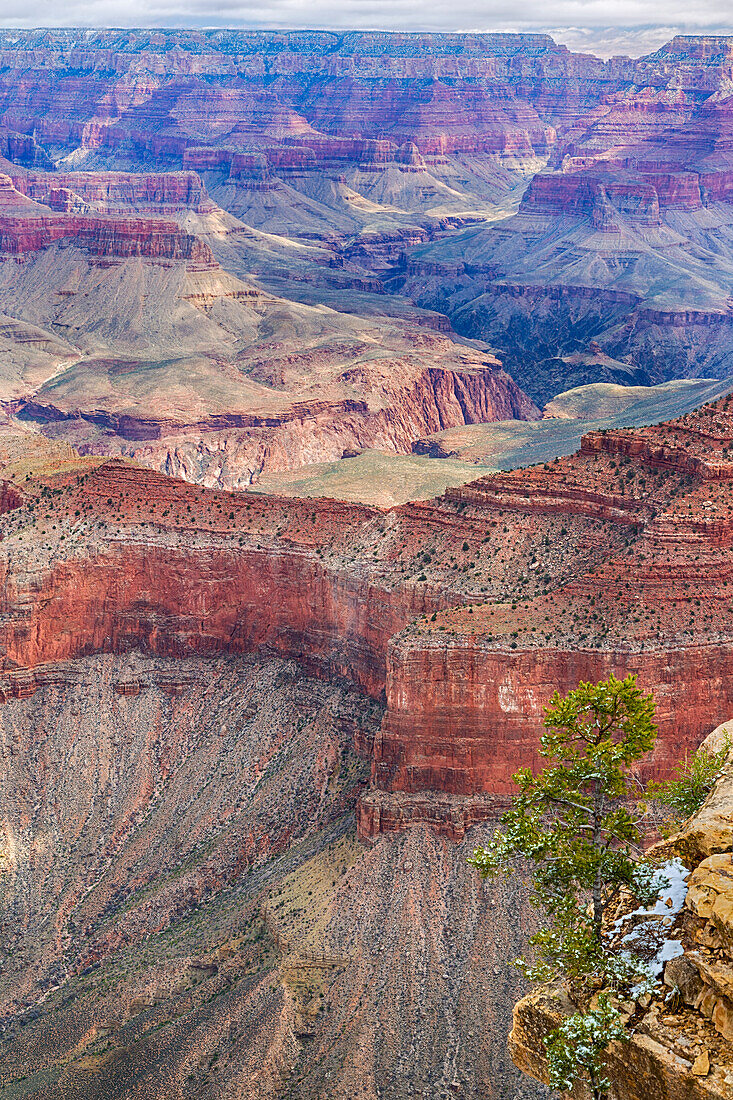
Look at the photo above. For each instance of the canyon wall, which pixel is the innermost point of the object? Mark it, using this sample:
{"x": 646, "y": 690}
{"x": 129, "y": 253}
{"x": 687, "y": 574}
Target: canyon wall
{"x": 178, "y": 93}
{"x": 436, "y": 135}
{"x": 465, "y": 690}
{"x": 646, "y": 166}
{"x": 214, "y": 378}
{"x": 159, "y": 192}
{"x": 184, "y": 90}
{"x": 188, "y": 914}
{"x": 230, "y": 448}
{"x": 206, "y": 593}
{"x": 103, "y": 236}
{"x": 379, "y": 597}
{"x": 177, "y": 602}
{"x": 463, "y": 718}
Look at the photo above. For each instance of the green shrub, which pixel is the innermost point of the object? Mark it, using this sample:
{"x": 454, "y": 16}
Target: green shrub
{"x": 695, "y": 778}
{"x": 575, "y": 1049}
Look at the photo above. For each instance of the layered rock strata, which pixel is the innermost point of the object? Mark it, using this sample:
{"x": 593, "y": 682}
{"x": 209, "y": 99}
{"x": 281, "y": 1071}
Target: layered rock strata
{"x": 465, "y": 690}
{"x": 642, "y": 179}
{"x": 398, "y": 599}
{"x": 231, "y": 447}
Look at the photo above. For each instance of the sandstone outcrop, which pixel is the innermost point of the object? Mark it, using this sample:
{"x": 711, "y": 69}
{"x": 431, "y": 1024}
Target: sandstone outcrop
{"x": 681, "y": 1041}
{"x": 161, "y": 193}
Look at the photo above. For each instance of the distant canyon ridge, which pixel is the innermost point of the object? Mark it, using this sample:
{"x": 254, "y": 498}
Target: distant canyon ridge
{"x": 228, "y": 253}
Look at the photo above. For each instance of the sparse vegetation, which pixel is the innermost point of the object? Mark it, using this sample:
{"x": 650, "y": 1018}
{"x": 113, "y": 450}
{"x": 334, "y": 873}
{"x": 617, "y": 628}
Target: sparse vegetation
{"x": 578, "y": 826}
{"x": 694, "y": 779}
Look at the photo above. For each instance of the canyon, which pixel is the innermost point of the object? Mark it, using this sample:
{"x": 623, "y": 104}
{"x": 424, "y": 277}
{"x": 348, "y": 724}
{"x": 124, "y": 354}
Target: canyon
{"x": 198, "y": 930}
{"x": 357, "y": 391}
{"x": 457, "y": 200}
{"x": 465, "y": 611}
{"x": 205, "y": 629}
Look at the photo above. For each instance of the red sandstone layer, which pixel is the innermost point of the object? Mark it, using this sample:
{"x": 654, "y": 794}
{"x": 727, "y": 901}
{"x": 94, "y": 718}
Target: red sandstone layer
{"x": 202, "y": 583}
{"x": 465, "y": 691}
{"x": 614, "y": 560}
{"x": 103, "y": 236}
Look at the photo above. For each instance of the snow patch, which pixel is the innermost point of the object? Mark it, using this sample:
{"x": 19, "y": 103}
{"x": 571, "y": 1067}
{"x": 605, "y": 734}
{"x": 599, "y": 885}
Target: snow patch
{"x": 648, "y": 938}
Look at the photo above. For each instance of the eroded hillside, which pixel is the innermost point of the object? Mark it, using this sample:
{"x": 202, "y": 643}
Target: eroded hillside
{"x": 228, "y": 254}
{"x": 187, "y": 911}
{"x": 248, "y": 739}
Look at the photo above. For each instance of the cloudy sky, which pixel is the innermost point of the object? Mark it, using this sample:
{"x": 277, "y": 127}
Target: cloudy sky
{"x": 602, "y": 26}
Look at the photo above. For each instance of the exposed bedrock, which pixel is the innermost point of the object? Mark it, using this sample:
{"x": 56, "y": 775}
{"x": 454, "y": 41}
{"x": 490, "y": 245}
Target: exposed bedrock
{"x": 465, "y": 690}
{"x": 685, "y": 1054}
{"x": 470, "y": 609}
{"x": 191, "y": 591}
{"x": 10, "y": 497}
{"x": 616, "y": 266}
{"x": 463, "y": 719}
{"x": 175, "y": 601}
{"x": 204, "y": 98}
{"x": 160, "y": 192}
{"x": 230, "y": 450}
{"x": 103, "y": 236}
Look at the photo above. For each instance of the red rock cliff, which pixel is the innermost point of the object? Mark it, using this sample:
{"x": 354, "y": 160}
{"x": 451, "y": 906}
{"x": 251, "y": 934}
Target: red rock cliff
{"x": 614, "y": 560}
{"x": 465, "y": 692}
{"x": 103, "y": 236}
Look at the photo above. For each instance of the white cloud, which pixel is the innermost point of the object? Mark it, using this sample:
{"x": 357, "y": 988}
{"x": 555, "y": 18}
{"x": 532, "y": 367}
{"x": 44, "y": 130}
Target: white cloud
{"x": 598, "y": 26}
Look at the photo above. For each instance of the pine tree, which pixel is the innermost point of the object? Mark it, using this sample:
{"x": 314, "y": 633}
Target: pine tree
{"x": 578, "y": 824}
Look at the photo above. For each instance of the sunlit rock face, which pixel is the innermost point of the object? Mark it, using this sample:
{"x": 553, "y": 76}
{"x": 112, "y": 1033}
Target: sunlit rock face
{"x": 464, "y": 612}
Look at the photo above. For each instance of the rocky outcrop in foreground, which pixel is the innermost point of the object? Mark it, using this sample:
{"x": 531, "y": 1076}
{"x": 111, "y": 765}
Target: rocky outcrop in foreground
{"x": 681, "y": 1040}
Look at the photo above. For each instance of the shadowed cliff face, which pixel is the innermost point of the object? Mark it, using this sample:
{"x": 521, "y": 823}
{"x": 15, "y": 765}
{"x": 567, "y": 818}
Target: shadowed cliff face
{"x": 617, "y": 264}
{"x": 187, "y": 912}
